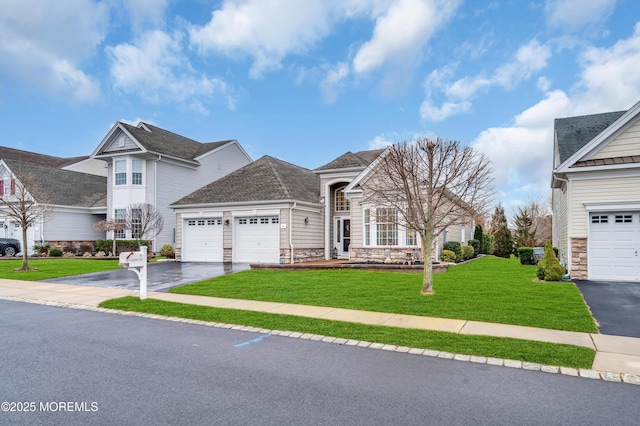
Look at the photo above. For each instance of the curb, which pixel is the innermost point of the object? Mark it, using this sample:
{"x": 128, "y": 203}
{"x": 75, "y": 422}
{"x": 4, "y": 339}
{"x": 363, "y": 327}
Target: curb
{"x": 607, "y": 376}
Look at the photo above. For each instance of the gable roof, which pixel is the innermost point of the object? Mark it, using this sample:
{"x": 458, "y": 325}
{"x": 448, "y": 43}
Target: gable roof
{"x": 573, "y": 133}
{"x": 159, "y": 141}
{"x": 266, "y": 179}
{"x": 62, "y": 187}
{"x": 349, "y": 160}
{"x": 35, "y": 158}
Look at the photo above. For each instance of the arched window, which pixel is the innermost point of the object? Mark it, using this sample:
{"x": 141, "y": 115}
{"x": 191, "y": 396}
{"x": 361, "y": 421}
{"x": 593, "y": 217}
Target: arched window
{"x": 341, "y": 203}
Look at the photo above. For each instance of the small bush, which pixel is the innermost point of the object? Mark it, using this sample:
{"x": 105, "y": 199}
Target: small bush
{"x": 488, "y": 243}
{"x": 104, "y": 245}
{"x": 69, "y": 248}
{"x": 167, "y": 251}
{"x": 55, "y": 252}
{"x": 455, "y": 247}
{"x": 85, "y": 248}
{"x": 526, "y": 255}
{"x": 476, "y": 247}
{"x": 467, "y": 252}
{"x": 449, "y": 256}
{"x": 549, "y": 268}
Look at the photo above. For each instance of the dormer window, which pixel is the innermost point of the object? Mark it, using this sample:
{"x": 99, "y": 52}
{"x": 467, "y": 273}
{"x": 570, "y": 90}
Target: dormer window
{"x": 342, "y": 204}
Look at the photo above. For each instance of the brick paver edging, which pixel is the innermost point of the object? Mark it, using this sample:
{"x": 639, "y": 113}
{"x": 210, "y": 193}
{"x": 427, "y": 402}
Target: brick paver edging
{"x": 510, "y": 363}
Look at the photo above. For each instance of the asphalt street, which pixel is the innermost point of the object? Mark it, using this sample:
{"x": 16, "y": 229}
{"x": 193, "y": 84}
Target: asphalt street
{"x": 614, "y": 305}
{"x": 114, "y": 369}
{"x": 161, "y": 276}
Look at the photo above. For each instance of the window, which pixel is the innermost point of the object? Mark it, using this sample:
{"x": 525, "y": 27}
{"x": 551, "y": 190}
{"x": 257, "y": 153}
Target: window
{"x": 120, "y": 167}
{"x": 342, "y": 204}
{"x": 119, "y": 214}
{"x": 367, "y": 227}
{"x": 411, "y": 237}
{"x": 600, "y": 219}
{"x": 242, "y": 221}
{"x": 253, "y": 221}
{"x": 136, "y": 172}
{"x": 275, "y": 220}
{"x": 264, "y": 220}
{"x": 387, "y": 226}
{"x": 191, "y": 223}
{"x": 623, "y": 218}
{"x": 136, "y": 223}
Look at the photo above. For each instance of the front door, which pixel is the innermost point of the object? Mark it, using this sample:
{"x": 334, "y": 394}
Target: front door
{"x": 342, "y": 236}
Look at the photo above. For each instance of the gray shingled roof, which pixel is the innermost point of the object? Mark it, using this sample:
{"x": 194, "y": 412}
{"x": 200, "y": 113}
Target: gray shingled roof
{"x": 62, "y": 187}
{"x": 263, "y": 180}
{"x": 350, "y": 160}
{"x": 164, "y": 142}
{"x": 575, "y": 132}
{"x": 34, "y": 158}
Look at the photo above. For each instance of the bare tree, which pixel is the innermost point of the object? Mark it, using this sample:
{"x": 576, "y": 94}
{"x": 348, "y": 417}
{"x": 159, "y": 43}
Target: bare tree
{"x": 142, "y": 219}
{"x": 26, "y": 203}
{"x": 433, "y": 184}
{"x": 110, "y": 225}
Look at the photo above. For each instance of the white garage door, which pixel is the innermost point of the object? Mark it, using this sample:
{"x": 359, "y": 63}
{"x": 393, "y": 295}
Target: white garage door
{"x": 257, "y": 239}
{"x": 614, "y": 246}
{"x": 202, "y": 241}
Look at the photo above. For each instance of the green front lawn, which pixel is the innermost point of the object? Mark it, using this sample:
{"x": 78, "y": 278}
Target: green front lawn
{"x": 524, "y": 350}
{"x": 488, "y": 289}
{"x": 54, "y": 268}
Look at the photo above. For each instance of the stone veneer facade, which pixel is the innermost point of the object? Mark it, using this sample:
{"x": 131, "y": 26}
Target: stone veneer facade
{"x": 579, "y": 258}
{"x": 386, "y": 255}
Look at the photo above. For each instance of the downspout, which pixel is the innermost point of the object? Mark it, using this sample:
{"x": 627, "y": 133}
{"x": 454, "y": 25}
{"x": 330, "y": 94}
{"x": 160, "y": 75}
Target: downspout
{"x": 291, "y": 230}
{"x": 155, "y": 196}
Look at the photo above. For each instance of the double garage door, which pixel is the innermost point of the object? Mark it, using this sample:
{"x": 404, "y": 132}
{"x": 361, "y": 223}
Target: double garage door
{"x": 255, "y": 240}
{"x": 614, "y": 246}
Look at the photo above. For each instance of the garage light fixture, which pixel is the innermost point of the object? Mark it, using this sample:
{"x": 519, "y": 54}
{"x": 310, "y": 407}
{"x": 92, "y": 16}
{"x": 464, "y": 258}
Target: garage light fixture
{"x": 306, "y": 220}
{"x": 226, "y": 222}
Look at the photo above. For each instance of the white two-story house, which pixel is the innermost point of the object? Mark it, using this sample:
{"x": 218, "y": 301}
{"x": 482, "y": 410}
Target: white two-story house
{"x": 147, "y": 164}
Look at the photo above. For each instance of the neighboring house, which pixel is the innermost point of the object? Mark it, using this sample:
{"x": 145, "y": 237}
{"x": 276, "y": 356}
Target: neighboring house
{"x": 83, "y": 164}
{"x": 265, "y": 212}
{"x": 76, "y": 200}
{"x": 147, "y": 164}
{"x": 596, "y": 195}
{"x": 271, "y": 211}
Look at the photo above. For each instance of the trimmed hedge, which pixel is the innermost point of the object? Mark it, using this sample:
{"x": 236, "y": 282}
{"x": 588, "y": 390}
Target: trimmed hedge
{"x": 476, "y": 246}
{"x": 449, "y": 256}
{"x": 455, "y": 247}
{"x": 525, "y": 254}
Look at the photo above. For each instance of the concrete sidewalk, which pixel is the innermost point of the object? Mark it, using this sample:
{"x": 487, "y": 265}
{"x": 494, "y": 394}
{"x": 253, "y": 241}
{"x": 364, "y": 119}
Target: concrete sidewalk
{"x": 615, "y": 354}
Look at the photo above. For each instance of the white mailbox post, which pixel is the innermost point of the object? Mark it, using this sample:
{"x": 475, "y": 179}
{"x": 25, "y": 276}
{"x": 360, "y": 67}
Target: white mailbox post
{"x": 136, "y": 261}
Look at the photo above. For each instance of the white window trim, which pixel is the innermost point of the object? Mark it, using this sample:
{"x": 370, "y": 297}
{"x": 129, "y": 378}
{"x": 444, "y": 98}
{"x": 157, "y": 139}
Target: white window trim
{"x": 373, "y": 231}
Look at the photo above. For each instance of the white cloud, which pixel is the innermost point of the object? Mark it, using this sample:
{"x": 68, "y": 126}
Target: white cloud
{"x": 333, "y": 82}
{"x": 380, "y": 142}
{"x": 571, "y": 15}
{"x": 522, "y": 153}
{"x": 529, "y": 59}
{"x": 155, "y": 68}
{"x": 40, "y": 44}
{"x": 401, "y": 33}
{"x": 266, "y": 30}
{"x": 145, "y": 13}
{"x": 610, "y": 79}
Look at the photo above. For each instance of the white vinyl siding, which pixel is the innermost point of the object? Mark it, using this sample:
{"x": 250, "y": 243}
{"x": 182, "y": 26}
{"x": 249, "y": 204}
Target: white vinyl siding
{"x": 71, "y": 226}
{"x": 560, "y": 225}
{"x": 623, "y": 145}
{"x": 625, "y": 189}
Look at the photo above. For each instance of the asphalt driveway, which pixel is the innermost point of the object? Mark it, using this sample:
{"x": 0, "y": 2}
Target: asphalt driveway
{"x": 615, "y": 305}
{"x": 161, "y": 276}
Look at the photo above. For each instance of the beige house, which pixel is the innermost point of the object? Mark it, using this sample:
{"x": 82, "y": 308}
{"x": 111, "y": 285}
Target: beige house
{"x": 596, "y": 195}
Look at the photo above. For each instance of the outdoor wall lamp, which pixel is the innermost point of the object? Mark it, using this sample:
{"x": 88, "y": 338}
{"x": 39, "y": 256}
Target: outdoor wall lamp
{"x": 306, "y": 220}
{"x": 226, "y": 222}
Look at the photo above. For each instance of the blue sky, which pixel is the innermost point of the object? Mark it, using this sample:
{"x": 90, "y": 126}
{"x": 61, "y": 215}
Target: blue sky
{"x": 307, "y": 80}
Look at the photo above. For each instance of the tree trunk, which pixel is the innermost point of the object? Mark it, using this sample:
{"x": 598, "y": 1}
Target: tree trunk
{"x": 25, "y": 257}
{"x": 427, "y": 280}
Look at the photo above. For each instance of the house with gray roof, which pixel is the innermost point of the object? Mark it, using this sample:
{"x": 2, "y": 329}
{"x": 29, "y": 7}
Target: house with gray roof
{"x": 271, "y": 211}
{"x": 77, "y": 200}
{"x": 596, "y": 195}
{"x": 265, "y": 212}
{"x": 147, "y": 164}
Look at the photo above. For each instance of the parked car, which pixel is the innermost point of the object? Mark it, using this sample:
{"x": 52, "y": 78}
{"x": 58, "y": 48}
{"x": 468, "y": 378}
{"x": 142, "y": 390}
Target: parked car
{"x": 9, "y": 246}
